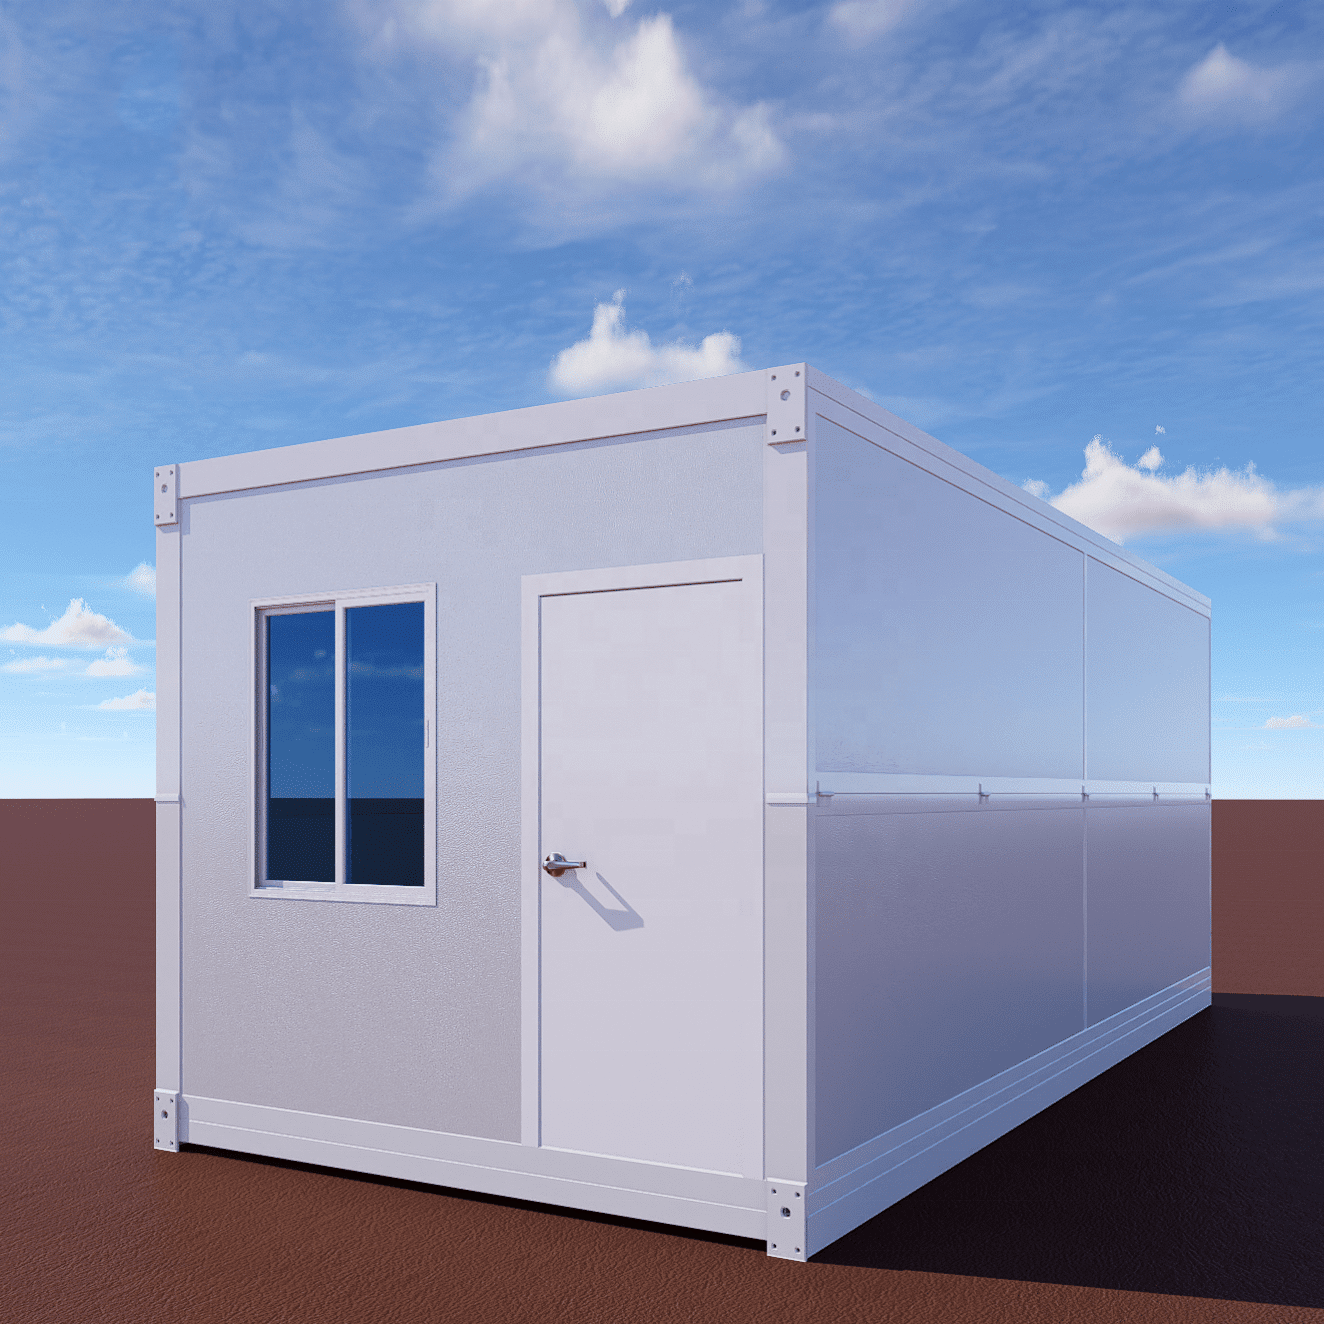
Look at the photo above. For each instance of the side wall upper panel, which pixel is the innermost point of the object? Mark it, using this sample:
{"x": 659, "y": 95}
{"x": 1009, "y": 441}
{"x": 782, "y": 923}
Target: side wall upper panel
{"x": 948, "y": 634}
{"x": 404, "y": 1014}
{"x": 1147, "y": 692}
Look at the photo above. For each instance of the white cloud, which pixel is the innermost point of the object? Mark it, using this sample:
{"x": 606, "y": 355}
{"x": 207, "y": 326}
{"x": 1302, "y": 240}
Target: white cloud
{"x": 115, "y": 663}
{"x": 613, "y": 356}
{"x": 140, "y": 701}
{"x": 1298, "y": 722}
{"x": 1159, "y": 430}
{"x": 1222, "y": 86}
{"x": 563, "y": 101}
{"x": 142, "y": 579}
{"x": 1121, "y": 501}
{"x": 26, "y": 666}
{"x": 862, "y": 20}
{"x": 79, "y": 627}
{"x": 1036, "y": 487}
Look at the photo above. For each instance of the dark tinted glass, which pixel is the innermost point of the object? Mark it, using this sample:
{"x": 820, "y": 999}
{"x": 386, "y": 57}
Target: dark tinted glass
{"x": 384, "y": 744}
{"x": 301, "y": 747}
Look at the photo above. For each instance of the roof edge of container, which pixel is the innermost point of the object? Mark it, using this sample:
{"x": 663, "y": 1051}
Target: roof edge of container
{"x": 650, "y": 409}
{"x": 624, "y": 413}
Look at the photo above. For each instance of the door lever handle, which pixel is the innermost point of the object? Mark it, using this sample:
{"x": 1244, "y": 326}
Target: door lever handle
{"x": 557, "y": 864}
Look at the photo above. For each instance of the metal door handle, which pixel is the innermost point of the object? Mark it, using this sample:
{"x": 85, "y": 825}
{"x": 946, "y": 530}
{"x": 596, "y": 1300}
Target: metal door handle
{"x": 556, "y": 864}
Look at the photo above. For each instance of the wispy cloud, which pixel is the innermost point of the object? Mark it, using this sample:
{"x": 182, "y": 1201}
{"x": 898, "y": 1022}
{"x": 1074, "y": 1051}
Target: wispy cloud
{"x": 1122, "y": 501}
{"x": 612, "y": 356}
{"x": 116, "y": 662}
{"x": 862, "y": 20}
{"x": 140, "y": 701}
{"x": 142, "y": 579}
{"x": 79, "y": 627}
{"x": 1224, "y": 87}
{"x": 29, "y": 666}
{"x": 1297, "y": 722}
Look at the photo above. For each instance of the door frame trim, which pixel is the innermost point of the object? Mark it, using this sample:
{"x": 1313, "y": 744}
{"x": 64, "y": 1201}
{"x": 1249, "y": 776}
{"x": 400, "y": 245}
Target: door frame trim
{"x": 533, "y": 588}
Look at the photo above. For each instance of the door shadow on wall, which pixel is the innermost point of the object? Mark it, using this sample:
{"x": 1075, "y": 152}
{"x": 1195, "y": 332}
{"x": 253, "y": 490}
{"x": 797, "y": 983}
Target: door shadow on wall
{"x": 1193, "y": 1168}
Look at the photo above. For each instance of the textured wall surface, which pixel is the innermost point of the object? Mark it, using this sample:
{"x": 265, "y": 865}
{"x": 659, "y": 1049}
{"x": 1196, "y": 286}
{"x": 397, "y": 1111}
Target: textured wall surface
{"x": 401, "y": 1014}
{"x": 1183, "y": 1185}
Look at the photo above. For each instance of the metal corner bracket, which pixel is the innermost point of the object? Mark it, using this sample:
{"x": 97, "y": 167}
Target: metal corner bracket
{"x": 787, "y": 418}
{"x": 165, "y": 494}
{"x": 786, "y": 1220}
{"x": 165, "y": 1120}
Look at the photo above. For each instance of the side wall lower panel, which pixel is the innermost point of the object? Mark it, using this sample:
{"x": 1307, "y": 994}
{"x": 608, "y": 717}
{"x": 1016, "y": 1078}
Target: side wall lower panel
{"x": 955, "y": 941}
{"x": 950, "y": 948}
{"x": 1148, "y": 904}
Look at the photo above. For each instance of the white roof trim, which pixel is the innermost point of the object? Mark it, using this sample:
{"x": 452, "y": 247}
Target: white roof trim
{"x": 653, "y": 409}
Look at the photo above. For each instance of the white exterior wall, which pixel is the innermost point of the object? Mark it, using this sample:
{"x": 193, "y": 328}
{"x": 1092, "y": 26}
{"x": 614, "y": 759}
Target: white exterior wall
{"x": 980, "y": 665}
{"x": 405, "y": 1015}
{"x": 953, "y": 935}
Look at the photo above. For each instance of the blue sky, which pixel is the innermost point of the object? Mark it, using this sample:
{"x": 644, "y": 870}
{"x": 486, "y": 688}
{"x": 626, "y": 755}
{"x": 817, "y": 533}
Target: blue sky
{"x": 231, "y": 226}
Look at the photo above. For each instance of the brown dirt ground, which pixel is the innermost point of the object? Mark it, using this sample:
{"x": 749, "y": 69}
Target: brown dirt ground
{"x": 1183, "y": 1185}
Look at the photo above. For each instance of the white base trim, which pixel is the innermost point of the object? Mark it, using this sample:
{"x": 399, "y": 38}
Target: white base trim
{"x": 852, "y": 1188}
{"x": 683, "y": 1197}
{"x": 845, "y": 1192}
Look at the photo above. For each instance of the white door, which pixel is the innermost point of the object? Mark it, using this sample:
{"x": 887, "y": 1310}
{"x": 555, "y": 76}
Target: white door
{"x": 651, "y": 749}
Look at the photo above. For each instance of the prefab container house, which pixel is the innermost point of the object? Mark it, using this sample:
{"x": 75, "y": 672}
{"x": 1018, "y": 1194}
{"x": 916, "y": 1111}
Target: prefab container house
{"x": 720, "y": 804}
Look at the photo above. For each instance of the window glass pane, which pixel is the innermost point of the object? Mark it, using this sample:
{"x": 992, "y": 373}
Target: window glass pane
{"x": 384, "y": 744}
{"x": 301, "y": 747}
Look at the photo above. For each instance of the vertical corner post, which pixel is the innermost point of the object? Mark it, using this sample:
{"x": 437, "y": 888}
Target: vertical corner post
{"x": 168, "y": 788}
{"x": 787, "y": 818}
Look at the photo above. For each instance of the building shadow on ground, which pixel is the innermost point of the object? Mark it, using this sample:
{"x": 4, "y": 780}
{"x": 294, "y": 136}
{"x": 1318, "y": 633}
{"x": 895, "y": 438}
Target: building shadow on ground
{"x": 1192, "y": 1168}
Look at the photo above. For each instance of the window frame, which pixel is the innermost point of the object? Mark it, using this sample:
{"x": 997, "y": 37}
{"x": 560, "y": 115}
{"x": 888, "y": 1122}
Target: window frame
{"x": 338, "y": 601}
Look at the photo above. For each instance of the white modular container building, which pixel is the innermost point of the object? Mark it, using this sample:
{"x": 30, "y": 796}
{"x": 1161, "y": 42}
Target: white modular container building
{"x": 720, "y": 804}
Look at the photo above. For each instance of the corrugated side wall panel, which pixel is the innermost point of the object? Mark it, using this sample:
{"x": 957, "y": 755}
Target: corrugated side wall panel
{"x": 399, "y": 1014}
